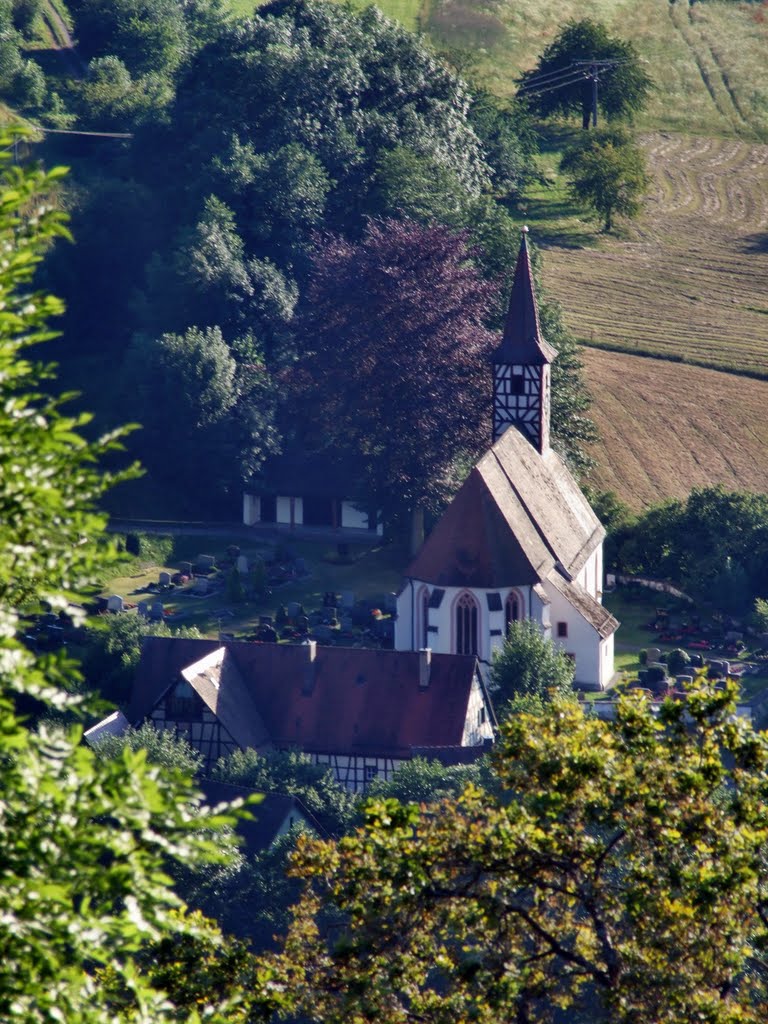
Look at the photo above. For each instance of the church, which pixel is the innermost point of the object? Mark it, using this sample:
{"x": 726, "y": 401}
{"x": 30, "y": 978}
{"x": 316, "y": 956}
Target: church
{"x": 519, "y": 540}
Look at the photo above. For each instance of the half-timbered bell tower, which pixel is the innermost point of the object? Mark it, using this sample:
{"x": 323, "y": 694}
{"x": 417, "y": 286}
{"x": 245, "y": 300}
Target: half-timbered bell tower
{"x": 521, "y": 388}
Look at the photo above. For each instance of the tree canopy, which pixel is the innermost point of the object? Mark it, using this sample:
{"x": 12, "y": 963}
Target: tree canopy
{"x": 560, "y": 82}
{"x": 607, "y": 171}
{"x": 714, "y": 545}
{"x": 394, "y": 360}
{"x": 83, "y": 888}
{"x": 620, "y": 878}
{"x": 529, "y": 665}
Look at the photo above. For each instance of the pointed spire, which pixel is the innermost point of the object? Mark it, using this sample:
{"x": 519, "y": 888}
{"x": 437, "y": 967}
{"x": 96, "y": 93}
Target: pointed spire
{"x": 522, "y": 342}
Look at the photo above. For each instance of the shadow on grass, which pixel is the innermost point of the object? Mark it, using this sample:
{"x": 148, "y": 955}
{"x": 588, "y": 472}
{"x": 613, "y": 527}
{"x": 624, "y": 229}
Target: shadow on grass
{"x": 549, "y": 222}
{"x": 59, "y": 64}
{"x": 755, "y": 243}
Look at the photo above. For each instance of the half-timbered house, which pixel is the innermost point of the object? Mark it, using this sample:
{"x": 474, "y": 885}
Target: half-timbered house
{"x": 362, "y": 712}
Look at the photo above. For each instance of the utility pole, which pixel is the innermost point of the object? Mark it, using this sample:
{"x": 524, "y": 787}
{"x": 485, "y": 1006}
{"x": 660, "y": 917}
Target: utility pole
{"x": 594, "y": 69}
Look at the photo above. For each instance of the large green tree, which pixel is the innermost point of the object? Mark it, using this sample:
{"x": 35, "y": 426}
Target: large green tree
{"x": 206, "y": 404}
{"x": 85, "y": 842}
{"x": 621, "y": 879}
{"x": 562, "y": 81}
{"x": 607, "y": 172}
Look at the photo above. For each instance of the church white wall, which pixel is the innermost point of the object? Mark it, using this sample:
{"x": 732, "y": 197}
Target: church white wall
{"x": 441, "y": 633}
{"x": 594, "y": 667}
{"x": 591, "y": 575}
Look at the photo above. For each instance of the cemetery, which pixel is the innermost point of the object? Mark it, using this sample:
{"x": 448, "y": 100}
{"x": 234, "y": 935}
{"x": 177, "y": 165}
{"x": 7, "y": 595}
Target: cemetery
{"x": 265, "y": 592}
{"x": 666, "y": 641}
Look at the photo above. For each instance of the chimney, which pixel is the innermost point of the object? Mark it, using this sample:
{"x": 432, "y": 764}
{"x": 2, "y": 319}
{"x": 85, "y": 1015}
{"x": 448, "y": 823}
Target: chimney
{"x": 425, "y": 667}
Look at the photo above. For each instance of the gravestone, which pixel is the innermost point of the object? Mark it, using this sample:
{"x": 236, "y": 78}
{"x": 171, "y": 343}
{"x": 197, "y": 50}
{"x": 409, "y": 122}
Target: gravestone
{"x": 653, "y": 654}
{"x": 115, "y": 603}
{"x": 164, "y": 579}
{"x": 294, "y": 609}
{"x": 266, "y": 634}
{"x": 201, "y": 585}
{"x": 205, "y": 563}
{"x": 156, "y": 611}
{"x": 143, "y": 609}
{"x": 697, "y": 660}
{"x": 242, "y": 565}
{"x": 684, "y": 680}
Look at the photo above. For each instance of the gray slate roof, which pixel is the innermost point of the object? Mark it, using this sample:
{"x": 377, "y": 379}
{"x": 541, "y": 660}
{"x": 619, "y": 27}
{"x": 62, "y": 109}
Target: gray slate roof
{"x": 518, "y": 514}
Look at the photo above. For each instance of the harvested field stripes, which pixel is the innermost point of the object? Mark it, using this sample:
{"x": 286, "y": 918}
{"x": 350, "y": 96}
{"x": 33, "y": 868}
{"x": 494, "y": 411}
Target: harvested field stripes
{"x": 693, "y": 280}
{"x": 686, "y": 23}
{"x": 667, "y": 428}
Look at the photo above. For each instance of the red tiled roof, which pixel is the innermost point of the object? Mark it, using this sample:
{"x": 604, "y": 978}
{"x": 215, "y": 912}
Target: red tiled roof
{"x": 522, "y": 341}
{"x": 348, "y": 700}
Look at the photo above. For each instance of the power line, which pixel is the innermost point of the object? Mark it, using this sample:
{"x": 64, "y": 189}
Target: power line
{"x": 545, "y": 77}
{"x": 574, "y": 77}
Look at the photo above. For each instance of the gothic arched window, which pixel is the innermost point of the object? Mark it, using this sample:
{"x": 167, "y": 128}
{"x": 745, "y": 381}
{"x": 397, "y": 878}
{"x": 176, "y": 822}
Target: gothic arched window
{"x": 466, "y": 624}
{"x": 512, "y": 610}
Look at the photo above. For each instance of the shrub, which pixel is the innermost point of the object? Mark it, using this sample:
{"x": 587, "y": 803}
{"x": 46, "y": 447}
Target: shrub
{"x": 678, "y": 661}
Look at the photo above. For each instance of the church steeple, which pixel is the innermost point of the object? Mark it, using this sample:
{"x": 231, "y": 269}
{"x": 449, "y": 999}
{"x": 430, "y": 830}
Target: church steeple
{"x": 521, "y": 387}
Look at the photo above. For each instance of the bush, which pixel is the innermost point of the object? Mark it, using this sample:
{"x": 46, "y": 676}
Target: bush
{"x": 678, "y": 661}
{"x": 151, "y": 548}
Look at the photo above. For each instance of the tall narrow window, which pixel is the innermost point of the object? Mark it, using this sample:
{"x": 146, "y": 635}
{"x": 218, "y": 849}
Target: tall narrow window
{"x": 511, "y": 611}
{"x": 425, "y": 619}
{"x": 466, "y": 625}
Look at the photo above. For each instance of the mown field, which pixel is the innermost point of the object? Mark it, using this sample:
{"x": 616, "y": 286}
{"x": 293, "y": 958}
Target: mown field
{"x": 689, "y": 280}
{"x": 667, "y": 427}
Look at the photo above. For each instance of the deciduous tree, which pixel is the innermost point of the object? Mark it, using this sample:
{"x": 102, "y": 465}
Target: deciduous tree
{"x": 85, "y": 842}
{"x": 559, "y": 84}
{"x": 607, "y": 172}
{"x": 622, "y": 879}
{"x": 396, "y": 359}
{"x": 529, "y": 665}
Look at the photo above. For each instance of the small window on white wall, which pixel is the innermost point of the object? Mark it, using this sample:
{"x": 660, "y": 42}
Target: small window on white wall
{"x": 562, "y": 630}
